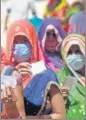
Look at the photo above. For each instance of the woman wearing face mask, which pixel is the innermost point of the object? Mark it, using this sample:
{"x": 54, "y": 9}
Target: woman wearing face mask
{"x": 73, "y": 75}
{"x": 22, "y": 50}
{"x": 51, "y": 36}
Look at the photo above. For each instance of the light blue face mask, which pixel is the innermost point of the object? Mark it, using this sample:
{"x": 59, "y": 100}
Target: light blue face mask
{"x": 76, "y": 61}
{"x": 22, "y": 52}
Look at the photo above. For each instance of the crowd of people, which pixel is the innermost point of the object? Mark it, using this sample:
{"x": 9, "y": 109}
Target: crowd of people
{"x": 58, "y": 41}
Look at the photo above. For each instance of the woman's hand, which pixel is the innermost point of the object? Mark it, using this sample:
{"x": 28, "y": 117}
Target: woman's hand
{"x": 24, "y": 69}
{"x": 65, "y": 92}
{"x": 9, "y": 100}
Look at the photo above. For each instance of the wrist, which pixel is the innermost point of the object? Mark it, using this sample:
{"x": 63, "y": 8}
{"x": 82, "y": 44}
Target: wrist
{"x": 18, "y": 117}
{"x": 44, "y": 117}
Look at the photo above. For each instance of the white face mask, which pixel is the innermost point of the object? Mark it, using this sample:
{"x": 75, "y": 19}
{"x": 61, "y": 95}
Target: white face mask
{"x": 76, "y": 61}
{"x": 22, "y": 52}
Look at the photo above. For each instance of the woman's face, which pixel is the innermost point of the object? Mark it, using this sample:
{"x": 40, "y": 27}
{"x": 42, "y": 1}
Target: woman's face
{"x": 20, "y": 40}
{"x": 22, "y": 49}
{"x": 74, "y": 50}
{"x": 51, "y": 40}
{"x": 75, "y": 58}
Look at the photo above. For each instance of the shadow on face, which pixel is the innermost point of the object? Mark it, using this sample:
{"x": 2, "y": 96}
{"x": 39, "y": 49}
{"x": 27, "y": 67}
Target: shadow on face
{"x": 21, "y": 39}
{"x": 51, "y": 41}
{"x": 74, "y": 49}
{"x": 76, "y": 59}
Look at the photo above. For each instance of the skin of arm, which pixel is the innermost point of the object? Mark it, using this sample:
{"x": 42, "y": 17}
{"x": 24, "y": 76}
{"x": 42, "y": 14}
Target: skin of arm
{"x": 20, "y": 100}
{"x": 57, "y": 104}
{"x": 19, "y": 95}
{"x": 56, "y": 101}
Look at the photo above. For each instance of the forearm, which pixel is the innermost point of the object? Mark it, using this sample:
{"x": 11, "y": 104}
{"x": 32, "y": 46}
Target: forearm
{"x": 20, "y": 101}
{"x": 39, "y": 117}
{"x": 51, "y": 116}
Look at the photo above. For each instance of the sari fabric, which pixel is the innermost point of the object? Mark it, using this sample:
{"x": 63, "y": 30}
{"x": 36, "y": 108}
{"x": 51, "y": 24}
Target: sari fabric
{"x": 75, "y": 102}
{"x": 52, "y": 59}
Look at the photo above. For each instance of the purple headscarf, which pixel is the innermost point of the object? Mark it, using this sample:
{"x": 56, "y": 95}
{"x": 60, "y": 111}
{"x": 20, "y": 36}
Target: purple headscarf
{"x": 55, "y": 22}
{"x": 52, "y": 59}
{"x": 77, "y": 23}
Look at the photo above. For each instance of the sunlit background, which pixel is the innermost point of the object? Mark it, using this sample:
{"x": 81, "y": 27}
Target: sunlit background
{"x": 40, "y": 5}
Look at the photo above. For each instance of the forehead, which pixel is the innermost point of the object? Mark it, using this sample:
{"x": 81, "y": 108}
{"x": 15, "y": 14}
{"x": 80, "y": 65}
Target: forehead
{"x": 74, "y": 47}
{"x": 20, "y": 38}
{"x": 51, "y": 28}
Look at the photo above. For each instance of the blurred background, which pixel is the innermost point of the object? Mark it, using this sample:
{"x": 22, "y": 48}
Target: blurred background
{"x": 40, "y": 6}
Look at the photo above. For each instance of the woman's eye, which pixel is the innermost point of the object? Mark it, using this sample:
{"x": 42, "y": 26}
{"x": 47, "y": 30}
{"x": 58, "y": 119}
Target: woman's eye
{"x": 77, "y": 51}
{"x": 54, "y": 35}
{"x": 70, "y": 52}
{"x": 50, "y": 34}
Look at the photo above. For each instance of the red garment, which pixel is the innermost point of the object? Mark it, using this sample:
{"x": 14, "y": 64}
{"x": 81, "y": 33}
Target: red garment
{"x": 59, "y": 14}
{"x": 51, "y": 2}
{"x": 23, "y": 27}
{"x": 66, "y": 28}
{"x": 3, "y": 58}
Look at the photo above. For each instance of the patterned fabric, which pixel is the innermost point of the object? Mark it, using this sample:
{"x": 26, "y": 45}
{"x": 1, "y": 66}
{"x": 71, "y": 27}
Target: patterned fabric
{"x": 35, "y": 90}
{"x": 76, "y": 100}
{"x": 51, "y": 58}
{"x": 2, "y": 58}
{"x": 7, "y": 71}
{"x": 23, "y": 27}
{"x": 57, "y": 8}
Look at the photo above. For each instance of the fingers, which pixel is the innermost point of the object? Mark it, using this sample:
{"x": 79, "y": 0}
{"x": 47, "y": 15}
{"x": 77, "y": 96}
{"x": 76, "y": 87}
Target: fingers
{"x": 64, "y": 89}
{"x": 25, "y": 74}
{"x": 24, "y": 69}
{"x": 3, "y": 96}
{"x": 8, "y": 92}
{"x": 24, "y": 65}
{"x": 8, "y": 95}
{"x": 13, "y": 94}
{"x": 65, "y": 96}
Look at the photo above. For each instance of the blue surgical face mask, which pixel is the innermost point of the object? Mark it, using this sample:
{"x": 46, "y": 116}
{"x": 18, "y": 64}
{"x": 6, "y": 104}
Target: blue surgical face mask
{"x": 76, "y": 61}
{"x": 22, "y": 52}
